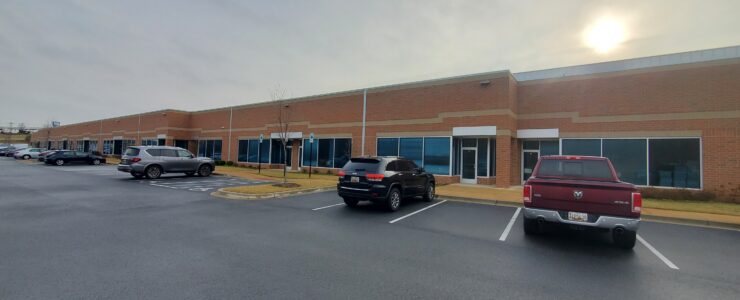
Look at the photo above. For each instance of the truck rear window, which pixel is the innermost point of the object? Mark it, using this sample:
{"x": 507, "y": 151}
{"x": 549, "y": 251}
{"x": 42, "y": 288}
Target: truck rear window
{"x": 132, "y": 152}
{"x": 580, "y": 169}
{"x": 362, "y": 165}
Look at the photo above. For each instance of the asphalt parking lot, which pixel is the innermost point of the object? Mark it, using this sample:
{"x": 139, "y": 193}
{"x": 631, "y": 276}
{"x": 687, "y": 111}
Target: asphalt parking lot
{"x": 87, "y": 234}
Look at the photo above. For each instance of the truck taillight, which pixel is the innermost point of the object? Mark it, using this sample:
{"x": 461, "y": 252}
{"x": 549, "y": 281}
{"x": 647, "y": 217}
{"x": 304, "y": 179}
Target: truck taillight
{"x": 527, "y": 193}
{"x": 375, "y": 177}
{"x": 636, "y": 202}
{"x": 341, "y": 173}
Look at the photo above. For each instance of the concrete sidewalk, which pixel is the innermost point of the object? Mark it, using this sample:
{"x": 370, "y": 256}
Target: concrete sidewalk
{"x": 513, "y": 197}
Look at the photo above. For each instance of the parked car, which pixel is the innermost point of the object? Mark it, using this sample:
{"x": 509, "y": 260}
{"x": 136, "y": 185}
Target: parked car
{"x": 153, "y": 161}
{"x": 62, "y": 157}
{"x": 10, "y": 151}
{"x": 383, "y": 180}
{"x": 584, "y": 192}
{"x": 28, "y": 153}
{"x": 42, "y": 155}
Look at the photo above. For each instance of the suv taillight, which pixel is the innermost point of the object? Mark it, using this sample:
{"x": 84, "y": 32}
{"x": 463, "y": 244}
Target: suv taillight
{"x": 375, "y": 177}
{"x": 135, "y": 159}
{"x": 636, "y": 202}
{"x": 341, "y": 173}
{"x": 527, "y": 193}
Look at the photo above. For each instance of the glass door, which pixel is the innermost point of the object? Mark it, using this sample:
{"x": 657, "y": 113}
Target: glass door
{"x": 529, "y": 160}
{"x": 468, "y": 166}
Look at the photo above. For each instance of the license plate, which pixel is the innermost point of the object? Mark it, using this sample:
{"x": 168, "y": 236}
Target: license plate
{"x": 354, "y": 179}
{"x": 576, "y": 216}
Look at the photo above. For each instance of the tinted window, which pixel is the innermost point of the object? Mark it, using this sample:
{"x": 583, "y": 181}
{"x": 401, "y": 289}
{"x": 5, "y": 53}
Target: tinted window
{"x": 388, "y": 147}
{"x": 590, "y": 147}
{"x": 342, "y": 152}
{"x": 585, "y": 169}
{"x": 68, "y": 153}
{"x": 675, "y": 163}
{"x": 405, "y": 166}
{"x": 629, "y": 159}
{"x": 153, "y": 152}
{"x": 169, "y": 152}
{"x": 392, "y": 166}
{"x": 243, "y": 150}
{"x": 412, "y": 149}
{"x": 437, "y": 155}
{"x": 362, "y": 165}
{"x": 132, "y": 152}
{"x": 183, "y": 153}
{"x": 326, "y": 153}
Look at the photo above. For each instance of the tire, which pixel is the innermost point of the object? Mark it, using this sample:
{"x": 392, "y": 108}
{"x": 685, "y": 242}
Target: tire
{"x": 393, "y": 201}
{"x": 153, "y": 172}
{"x": 429, "y": 193}
{"x": 350, "y": 202}
{"x": 531, "y": 227}
{"x": 26, "y": 157}
{"x": 137, "y": 175}
{"x": 96, "y": 162}
{"x": 59, "y": 162}
{"x": 626, "y": 240}
{"x": 204, "y": 171}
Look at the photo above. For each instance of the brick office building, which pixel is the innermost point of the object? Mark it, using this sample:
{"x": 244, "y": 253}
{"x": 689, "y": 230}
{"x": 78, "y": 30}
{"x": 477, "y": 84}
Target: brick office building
{"x": 665, "y": 121}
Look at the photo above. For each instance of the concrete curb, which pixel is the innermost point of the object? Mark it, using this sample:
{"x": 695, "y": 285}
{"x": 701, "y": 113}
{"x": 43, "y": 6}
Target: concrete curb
{"x": 240, "y": 196}
{"x": 651, "y": 218}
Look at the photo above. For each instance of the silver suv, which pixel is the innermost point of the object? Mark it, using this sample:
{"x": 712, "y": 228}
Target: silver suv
{"x": 153, "y": 161}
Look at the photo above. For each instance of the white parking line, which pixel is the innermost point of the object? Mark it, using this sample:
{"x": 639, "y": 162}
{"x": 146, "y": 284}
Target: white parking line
{"x": 508, "y": 227}
{"x": 418, "y": 211}
{"x": 320, "y": 208}
{"x": 657, "y": 253}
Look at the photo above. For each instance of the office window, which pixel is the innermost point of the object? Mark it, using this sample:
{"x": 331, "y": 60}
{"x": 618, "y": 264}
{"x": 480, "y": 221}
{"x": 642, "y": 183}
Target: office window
{"x": 412, "y": 149}
{"x": 388, "y": 147}
{"x": 549, "y": 148}
{"x": 264, "y": 151}
{"x": 492, "y": 161}
{"x": 675, "y": 163}
{"x": 342, "y": 152}
{"x": 326, "y": 153}
{"x": 437, "y": 155}
{"x": 277, "y": 154}
{"x": 310, "y": 152}
{"x": 161, "y": 142}
{"x": 243, "y": 150}
{"x": 482, "y": 157}
{"x": 590, "y": 147}
{"x": 209, "y": 148}
{"x": 629, "y": 157}
{"x": 253, "y": 150}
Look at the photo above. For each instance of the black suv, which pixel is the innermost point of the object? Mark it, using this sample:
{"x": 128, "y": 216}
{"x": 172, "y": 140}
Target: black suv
{"x": 383, "y": 180}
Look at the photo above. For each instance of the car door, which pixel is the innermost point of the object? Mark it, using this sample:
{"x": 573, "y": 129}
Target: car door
{"x": 416, "y": 178}
{"x": 80, "y": 157}
{"x": 188, "y": 161}
{"x": 405, "y": 170}
{"x": 170, "y": 161}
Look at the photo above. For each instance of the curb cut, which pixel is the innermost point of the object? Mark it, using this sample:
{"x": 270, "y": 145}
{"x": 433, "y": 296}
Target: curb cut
{"x": 239, "y": 196}
{"x": 644, "y": 217}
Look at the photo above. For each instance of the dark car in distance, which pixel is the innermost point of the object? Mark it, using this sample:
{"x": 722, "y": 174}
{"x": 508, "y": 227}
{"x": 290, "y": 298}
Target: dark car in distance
{"x": 62, "y": 157}
{"x": 384, "y": 181}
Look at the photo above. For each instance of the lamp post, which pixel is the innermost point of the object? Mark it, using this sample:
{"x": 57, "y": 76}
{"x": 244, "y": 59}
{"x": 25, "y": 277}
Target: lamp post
{"x": 259, "y": 155}
{"x": 310, "y": 154}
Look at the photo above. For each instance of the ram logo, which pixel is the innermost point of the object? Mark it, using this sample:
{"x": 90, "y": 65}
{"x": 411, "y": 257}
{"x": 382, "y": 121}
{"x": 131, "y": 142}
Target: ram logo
{"x": 578, "y": 194}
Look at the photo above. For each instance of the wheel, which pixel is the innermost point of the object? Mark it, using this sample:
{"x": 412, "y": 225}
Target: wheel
{"x": 26, "y": 157}
{"x": 59, "y": 162}
{"x": 393, "y": 202}
{"x": 351, "y": 202}
{"x": 153, "y": 172}
{"x": 137, "y": 175}
{"x": 189, "y": 174}
{"x": 96, "y": 162}
{"x": 204, "y": 171}
{"x": 625, "y": 240}
{"x": 531, "y": 227}
{"x": 429, "y": 194}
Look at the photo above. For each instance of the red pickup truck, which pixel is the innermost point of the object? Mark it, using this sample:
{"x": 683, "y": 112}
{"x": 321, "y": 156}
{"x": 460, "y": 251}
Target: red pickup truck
{"x": 581, "y": 191}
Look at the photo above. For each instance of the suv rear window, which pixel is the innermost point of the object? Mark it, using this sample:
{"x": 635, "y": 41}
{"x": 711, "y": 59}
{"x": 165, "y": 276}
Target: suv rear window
{"x": 132, "y": 152}
{"x": 362, "y": 165}
{"x": 581, "y": 169}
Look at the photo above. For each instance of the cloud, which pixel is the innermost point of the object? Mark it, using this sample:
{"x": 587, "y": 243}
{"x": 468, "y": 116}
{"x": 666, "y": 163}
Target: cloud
{"x": 82, "y": 60}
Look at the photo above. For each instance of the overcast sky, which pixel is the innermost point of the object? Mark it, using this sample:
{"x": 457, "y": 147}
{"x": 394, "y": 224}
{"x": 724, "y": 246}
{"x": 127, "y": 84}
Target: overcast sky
{"x": 76, "y": 61}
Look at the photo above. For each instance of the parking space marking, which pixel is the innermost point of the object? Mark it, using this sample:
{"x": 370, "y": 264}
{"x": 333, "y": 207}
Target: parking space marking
{"x": 320, "y": 208}
{"x": 511, "y": 223}
{"x": 657, "y": 253}
{"x": 418, "y": 211}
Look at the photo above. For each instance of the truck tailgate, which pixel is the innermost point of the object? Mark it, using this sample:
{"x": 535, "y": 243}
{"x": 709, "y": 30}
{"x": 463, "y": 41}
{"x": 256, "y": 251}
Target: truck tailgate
{"x": 593, "y": 197}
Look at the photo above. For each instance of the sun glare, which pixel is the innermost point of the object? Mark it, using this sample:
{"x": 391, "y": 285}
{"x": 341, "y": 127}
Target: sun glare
{"x": 604, "y": 35}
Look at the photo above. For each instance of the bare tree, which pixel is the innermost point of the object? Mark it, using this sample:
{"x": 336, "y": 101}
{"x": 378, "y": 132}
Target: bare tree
{"x": 278, "y": 96}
